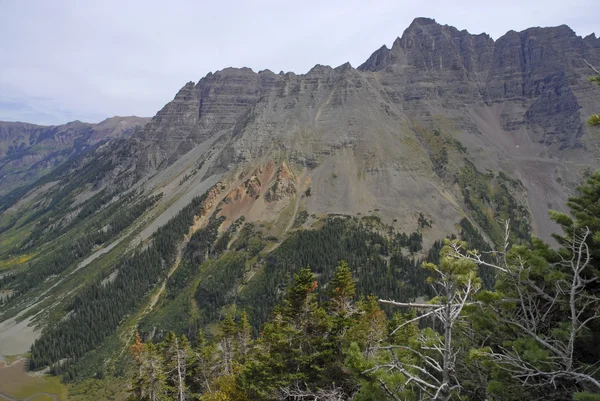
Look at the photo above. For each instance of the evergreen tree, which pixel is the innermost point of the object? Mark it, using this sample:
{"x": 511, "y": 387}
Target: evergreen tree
{"x": 370, "y": 329}
{"x": 244, "y": 338}
{"x": 293, "y": 350}
{"x": 594, "y": 120}
{"x": 204, "y": 365}
{"x": 428, "y": 362}
{"x": 538, "y": 326}
{"x": 150, "y": 383}
{"x": 177, "y": 356}
{"x": 342, "y": 290}
{"x": 227, "y": 340}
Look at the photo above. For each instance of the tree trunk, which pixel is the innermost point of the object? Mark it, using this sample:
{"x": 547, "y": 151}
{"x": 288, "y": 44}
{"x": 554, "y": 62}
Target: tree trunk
{"x": 443, "y": 393}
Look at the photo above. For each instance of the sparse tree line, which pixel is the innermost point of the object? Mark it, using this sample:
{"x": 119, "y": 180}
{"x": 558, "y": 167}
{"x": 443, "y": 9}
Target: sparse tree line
{"x": 534, "y": 335}
{"x": 65, "y": 256}
{"x": 99, "y": 309}
{"x": 383, "y": 262}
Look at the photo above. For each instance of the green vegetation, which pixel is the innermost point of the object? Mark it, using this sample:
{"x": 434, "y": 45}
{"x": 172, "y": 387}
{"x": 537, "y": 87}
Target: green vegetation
{"x": 98, "y": 309}
{"x": 530, "y": 335}
{"x": 491, "y": 201}
{"x": 440, "y": 146}
{"x": 594, "y": 119}
{"x": 301, "y": 218}
{"x": 16, "y": 383}
{"x": 208, "y": 283}
{"x": 295, "y": 318}
{"x": 64, "y": 257}
{"x": 98, "y": 389}
{"x": 376, "y": 259}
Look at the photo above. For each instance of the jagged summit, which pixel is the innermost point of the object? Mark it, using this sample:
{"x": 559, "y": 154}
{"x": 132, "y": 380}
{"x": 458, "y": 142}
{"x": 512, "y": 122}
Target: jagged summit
{"x": 423, "y": 21}
{"x": 526, "y": 89}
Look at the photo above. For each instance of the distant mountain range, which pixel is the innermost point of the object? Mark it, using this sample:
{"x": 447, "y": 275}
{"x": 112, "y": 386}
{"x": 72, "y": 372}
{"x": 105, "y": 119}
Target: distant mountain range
{"x": 28, "y": 151}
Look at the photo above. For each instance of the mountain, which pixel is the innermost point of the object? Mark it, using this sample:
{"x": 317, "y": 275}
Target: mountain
{"x": 517, "y": 104}
{"x": 28, "y": 151}
{"x": 244, "y": 177}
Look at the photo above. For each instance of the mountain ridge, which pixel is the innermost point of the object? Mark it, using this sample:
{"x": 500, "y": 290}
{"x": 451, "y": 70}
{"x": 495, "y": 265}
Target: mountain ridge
{"x": 486, "y": 86}
{"x": 28, "y": 151}
{"x": 444, "y": 133}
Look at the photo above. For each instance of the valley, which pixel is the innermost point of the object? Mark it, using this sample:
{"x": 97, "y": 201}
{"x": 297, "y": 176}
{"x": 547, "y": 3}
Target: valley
{"x": 208, "y": 214}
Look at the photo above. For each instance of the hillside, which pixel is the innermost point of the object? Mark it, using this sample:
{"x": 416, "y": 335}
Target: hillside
{"x": 245, "y": 177}
{"x": 28, "y": 151}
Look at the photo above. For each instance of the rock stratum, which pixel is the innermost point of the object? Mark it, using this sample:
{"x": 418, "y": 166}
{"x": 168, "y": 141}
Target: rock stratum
{"x": 358, "y": 135}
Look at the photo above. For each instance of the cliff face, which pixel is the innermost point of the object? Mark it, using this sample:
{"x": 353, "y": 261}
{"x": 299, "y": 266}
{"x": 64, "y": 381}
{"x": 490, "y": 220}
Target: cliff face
{"x": 28, "y": 151}
{"x": 540, "y": 69}
{"x": 391, "y": 135}
{"x": 518, "y": 104}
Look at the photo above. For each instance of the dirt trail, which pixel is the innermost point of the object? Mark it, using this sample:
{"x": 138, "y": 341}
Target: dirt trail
{"x": 293, "y": 218}
{"x": 6, "y": 397}
{"x": 297, "y": 199}
{"x": 163, "y": 286}
{"x": 156, "y": 296}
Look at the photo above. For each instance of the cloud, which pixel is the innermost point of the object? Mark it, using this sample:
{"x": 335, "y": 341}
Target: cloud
{"x": 67, "y": 59}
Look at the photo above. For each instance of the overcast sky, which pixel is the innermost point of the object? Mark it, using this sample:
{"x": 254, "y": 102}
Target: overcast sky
{"x": 62, "y": 60}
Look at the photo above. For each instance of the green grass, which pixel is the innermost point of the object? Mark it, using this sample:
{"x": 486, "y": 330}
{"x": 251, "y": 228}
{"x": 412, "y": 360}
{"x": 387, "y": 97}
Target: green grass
{"x": 17, "y": 383}
{"x": 98, "y": 390}
{"x": 16, "y": 261}
{"x": 492, "y": 200}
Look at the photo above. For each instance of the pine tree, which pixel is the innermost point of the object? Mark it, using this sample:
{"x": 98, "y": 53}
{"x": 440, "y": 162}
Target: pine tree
{"x": 227, "y": 337}
{"x": 342, "y": 289}
{"x": 294, "y": 348}
{"x": 150, "y": 381}
{"x": 177, "y": 356}
{"x": 370, "y": 329}
{"x": 538, "y": 324}
{"x": 244, "y": 338}
{"x": 204, "y": 364}
{"x": 429, "y": 364}
{"x": 594, "y": 120}
{"x": 137, "y": 353}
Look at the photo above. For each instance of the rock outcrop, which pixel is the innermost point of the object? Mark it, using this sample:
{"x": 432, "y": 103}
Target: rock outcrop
{"x": 517, "y": 104}
{"x": 358, "y": 135}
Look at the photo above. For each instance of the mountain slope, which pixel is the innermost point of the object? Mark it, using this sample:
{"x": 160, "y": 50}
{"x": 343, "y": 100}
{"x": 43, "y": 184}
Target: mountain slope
{"x": 242, "y": 179}
{"x": 518, "y": 104}
{"x": 28, "y": 151}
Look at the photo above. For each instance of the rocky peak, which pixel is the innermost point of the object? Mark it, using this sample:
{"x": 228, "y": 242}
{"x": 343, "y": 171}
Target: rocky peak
{"x": 319, "y": 70}
{"x": 343, "y": 68}
{"x": 430, "y": 70}
{"x": 377, "y": 60}
{"x": 592, "y": 41}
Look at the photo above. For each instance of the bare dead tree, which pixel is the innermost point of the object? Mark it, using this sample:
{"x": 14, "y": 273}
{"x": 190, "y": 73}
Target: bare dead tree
{"x": 294, "y": 392}
{"x": 177, "y": 358}
{"x": 435, "y": 372}
{"x": 535, "y": 303}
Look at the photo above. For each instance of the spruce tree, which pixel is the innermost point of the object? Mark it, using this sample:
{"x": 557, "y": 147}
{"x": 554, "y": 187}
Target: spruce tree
{"x": 244, "y": 338}
{"x": 594, "y": 120}
{"x": 342, "y": 289}
{"x": 370, "y": 329}
{"x": 227, "y": 339}
{"x": 204, "y": 364}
